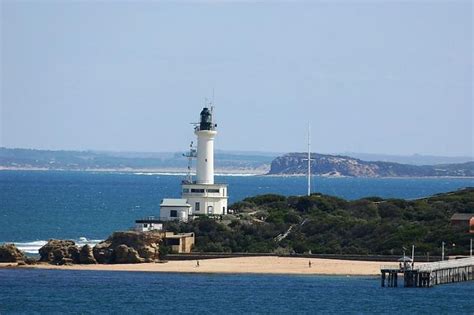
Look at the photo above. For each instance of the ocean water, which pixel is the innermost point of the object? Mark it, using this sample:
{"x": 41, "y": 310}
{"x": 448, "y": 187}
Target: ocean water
{"x": 95, "y": 292}
{"x": 87, "y": 207}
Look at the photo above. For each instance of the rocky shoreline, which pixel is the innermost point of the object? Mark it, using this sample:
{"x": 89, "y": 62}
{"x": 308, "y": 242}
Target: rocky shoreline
{"x": 120, "y": 248}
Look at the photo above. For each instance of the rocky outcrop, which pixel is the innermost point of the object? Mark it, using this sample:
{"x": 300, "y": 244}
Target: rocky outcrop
{"x": 10, "y": 253}
{"x": 86, "y": 255}
{"x": 103, "y": 252}
{"x": 336, "y": 165}
{"x": 120, "y": 248}
{"x": 128, "y": 248}
{"x": 126, "y": 255}
{"x": 60, "y": 252}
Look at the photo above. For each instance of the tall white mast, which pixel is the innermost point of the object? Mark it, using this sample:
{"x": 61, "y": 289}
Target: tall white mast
{"x": 309, "y": 159}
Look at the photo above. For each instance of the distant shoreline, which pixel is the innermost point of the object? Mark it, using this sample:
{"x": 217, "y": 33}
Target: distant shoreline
{"x": 367, "y": 177}
{"x": 222, "y": 172}
{"x": 162, "y": 171}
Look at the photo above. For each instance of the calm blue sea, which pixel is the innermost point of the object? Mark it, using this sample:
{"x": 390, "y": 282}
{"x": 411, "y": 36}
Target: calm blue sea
{"x": 91, "y": 292}
{"x": 36, "y": 206}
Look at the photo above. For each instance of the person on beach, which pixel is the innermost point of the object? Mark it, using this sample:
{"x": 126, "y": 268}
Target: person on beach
{"x": 197, "y": 263}
{"x": 309, "y": 264}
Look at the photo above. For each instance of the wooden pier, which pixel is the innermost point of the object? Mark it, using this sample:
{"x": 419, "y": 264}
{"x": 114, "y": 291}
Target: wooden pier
{"x": 429, "y": 274}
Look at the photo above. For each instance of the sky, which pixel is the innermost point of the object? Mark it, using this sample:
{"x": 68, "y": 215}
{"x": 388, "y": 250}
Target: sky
{"x": 390, "y": 77}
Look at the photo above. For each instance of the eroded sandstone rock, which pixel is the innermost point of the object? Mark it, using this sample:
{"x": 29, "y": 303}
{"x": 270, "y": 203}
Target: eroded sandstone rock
{"x": 10, "y": 253}
{"x": 56, "y": 250}
{"x": 128, "y": 247}
{"x": 86, "y": 255}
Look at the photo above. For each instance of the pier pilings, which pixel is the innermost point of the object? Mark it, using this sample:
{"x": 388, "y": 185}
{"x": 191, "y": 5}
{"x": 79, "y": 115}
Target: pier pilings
{"x": 428, "y": 275}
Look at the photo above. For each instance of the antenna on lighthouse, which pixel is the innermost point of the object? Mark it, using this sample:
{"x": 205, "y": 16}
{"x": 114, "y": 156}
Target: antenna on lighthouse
{"x": 190, "y": 155}
{"x": 212, "y": 102}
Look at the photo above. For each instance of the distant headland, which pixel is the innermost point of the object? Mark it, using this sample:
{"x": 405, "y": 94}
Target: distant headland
{"x": 339, "y": 165}
{"x": 237, "y": 162}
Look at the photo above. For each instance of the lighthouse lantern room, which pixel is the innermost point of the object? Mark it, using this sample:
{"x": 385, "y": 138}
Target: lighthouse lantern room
{"x": 205, "y": 196}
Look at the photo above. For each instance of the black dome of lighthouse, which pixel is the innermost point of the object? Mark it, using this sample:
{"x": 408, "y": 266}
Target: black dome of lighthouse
{"x": 206, "y": 120}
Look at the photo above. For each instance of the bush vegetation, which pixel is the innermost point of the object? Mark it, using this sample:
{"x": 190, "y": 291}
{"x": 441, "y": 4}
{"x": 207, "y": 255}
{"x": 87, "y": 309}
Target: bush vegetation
{"x": 330, "y": 225}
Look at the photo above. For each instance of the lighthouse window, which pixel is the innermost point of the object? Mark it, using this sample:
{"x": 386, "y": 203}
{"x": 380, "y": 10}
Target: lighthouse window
{"x": 173, "y": 213}
{"x": 197, "y": 206}
{"x": 213, "y": 190}
{"x": 195, "y": 190}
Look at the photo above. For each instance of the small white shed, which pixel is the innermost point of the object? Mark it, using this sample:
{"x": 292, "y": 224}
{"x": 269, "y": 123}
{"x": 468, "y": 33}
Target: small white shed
{"x": 175, "y": 209}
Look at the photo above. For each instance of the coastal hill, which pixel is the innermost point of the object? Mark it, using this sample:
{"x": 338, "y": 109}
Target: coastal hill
{"x": 323, "y": 224}
{"x": 338, "y": 165}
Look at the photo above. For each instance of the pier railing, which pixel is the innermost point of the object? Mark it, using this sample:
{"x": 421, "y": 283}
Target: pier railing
{"x": 439, "y": 265}
{"x": 390, "y": 267}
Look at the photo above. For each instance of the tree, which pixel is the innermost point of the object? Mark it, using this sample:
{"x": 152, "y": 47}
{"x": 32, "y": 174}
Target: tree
{"x": 163, "y": 250}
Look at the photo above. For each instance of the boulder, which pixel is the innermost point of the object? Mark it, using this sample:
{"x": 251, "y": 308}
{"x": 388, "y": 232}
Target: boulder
{"x": 86, "y": 255}
{"x": 56, "y": 250}
{"x": 126, "y": 255}
{"x": 149, "y": 253}
{"x": 30, "y": 261}
{"x": 103, "y": 252}
{"x": 10, "y": 253}
{"x": 66, "y": 262}
{"x": 128, "y": 247}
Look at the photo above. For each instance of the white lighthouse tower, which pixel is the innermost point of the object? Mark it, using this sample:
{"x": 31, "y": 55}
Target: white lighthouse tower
{"x": 205, "y": 132}
{"x": 205, "y": 196}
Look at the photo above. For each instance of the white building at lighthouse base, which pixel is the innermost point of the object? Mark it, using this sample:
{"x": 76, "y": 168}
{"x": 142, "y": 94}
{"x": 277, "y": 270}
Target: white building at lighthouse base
{"x": 205, "y": 199}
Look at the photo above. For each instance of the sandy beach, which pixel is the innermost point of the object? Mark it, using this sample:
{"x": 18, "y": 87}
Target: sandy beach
{"x": 255, "y": 265}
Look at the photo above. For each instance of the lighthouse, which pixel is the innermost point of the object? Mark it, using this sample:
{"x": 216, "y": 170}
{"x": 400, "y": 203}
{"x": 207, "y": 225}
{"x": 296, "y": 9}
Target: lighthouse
{"x": 204, "y": 195}
{"x": 205, "y": 132}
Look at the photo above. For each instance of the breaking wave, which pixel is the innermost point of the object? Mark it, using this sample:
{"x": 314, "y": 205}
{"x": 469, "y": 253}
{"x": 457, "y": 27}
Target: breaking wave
{"x": 33, "y": 247}
{"x": 160, "y": 173}
{"x": 237, "y": 174}
{"x": 184, "y": 174}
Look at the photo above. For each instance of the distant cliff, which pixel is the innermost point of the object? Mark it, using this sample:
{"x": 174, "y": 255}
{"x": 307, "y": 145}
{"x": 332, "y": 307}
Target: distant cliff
{"x": 336, "y": 165}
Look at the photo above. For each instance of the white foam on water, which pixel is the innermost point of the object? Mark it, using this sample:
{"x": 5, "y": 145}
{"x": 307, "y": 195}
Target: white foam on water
{"x": 184, "y": 174}
{"x": 237, "y": 174}
{"x": 30, "y": 247}
{"x": 160, "y": 173}
{"x": 34, "y": 246}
